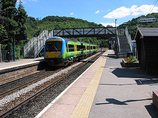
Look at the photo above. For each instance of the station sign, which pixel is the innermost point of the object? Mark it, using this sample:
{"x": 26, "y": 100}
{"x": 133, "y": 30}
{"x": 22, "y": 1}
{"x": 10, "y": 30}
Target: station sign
{"x": 144, "y": 20}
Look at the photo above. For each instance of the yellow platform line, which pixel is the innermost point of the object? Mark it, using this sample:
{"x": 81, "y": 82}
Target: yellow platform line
{"x": 83, "y": 107}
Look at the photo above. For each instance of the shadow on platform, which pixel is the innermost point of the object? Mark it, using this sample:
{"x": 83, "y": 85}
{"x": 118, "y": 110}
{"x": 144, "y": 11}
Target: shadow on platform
{"x": 110, "y": 56}
{"x": 117, "y": 102}
{"x": 150, "y": 108}
{"x": 135, "y": 73}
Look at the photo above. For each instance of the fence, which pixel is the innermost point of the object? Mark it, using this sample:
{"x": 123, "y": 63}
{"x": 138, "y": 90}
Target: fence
{"x": 4, "y": 55}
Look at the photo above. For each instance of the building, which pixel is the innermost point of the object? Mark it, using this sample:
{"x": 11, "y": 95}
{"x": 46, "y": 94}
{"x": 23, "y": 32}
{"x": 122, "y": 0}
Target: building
{"x": 147, "y": 47}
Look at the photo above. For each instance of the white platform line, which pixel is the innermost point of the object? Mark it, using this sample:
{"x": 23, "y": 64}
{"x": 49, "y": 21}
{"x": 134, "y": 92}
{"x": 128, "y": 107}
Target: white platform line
{"x": 58, "y": 97}
{"x": 4, "y": 68}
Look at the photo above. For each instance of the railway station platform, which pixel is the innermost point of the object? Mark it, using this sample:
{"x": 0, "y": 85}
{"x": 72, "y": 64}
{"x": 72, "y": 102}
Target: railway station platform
{"x": 106, "y": 90}
{"x": 20, "y": 62}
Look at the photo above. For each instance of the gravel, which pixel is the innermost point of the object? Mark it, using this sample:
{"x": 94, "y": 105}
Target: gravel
{"x": 36, "y": 105}
{"x": 13, "y": 96}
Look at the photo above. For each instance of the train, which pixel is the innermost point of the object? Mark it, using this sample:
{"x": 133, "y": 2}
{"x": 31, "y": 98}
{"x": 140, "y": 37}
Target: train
{"x": 62, "y": 51}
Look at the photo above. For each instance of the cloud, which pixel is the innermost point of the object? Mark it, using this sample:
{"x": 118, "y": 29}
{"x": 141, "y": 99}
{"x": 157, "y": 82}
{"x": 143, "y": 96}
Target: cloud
{"x": 134, "y": 11}
{"x": 118, "y": 13}
{"x": 71, "y": 13}
{"x": 97, "y": 12}
{"x": 111, "y": 24}
{"x": 144, "y": 9}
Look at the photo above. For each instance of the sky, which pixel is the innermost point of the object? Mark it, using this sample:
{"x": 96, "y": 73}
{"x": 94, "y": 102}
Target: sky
{"x": 98, "y": 11}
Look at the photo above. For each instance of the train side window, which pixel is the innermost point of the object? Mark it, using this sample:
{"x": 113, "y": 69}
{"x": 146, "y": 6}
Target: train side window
{"x": 78, "y": 47}
{"x": 83, "y": 47}
{"x": 89, "y": 47}
{"x": 67, "y": 48}
{"x": 71, "y": 48}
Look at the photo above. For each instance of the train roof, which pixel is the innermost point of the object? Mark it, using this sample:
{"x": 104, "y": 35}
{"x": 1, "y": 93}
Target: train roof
{"x": 66, "y": 39}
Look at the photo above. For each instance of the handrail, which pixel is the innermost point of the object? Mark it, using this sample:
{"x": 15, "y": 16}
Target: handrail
{"x": 40, "y": 44}
{"x": 129, "y": 39}
{"x": 118, "y": 42}
{"x": 29, "y": 46}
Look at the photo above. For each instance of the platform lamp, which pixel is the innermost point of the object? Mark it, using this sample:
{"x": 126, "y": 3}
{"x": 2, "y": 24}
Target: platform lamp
{"x": 8, "y": 33}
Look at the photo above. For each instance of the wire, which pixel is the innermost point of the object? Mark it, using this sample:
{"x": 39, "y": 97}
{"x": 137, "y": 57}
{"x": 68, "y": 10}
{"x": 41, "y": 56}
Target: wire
{"x": 155, "y": 2}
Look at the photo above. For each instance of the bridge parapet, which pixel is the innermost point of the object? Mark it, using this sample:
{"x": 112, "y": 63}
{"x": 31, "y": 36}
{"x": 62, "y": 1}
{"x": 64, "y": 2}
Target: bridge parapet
{"x": 85, "y": 32}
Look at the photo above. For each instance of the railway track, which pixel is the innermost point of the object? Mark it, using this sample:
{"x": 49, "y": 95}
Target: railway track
{"x": 58, "y": 76}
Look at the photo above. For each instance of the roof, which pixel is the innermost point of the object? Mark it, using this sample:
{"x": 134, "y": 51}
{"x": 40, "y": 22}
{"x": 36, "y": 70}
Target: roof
{"x": 148, "y": 31}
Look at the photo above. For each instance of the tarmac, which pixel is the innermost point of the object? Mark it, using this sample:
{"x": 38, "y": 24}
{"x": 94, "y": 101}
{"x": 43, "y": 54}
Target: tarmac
{"x": 124, "y": 92}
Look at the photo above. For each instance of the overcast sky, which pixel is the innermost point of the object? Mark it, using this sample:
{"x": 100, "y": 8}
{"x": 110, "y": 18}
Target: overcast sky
{"x": 97, "y": 11}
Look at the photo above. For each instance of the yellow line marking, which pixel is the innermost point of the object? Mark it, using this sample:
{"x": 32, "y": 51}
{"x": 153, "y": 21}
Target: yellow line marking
{"x": 83, "y": 107}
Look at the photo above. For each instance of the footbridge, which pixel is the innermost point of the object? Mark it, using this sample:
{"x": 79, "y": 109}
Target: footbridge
{"x": 102, "y": 32}
{"x": 36, "y": 44}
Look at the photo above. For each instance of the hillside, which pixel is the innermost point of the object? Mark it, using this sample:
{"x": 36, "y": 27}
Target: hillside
{"x": 134, "y": 23}
{"x": 36, "y": 26}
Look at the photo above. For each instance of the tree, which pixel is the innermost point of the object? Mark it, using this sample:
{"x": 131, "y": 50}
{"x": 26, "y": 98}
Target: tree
{"x": 3, "y": 36}
{"x": 6, "y": 4}
{"x": 16, "y": 24}
{"x": 8, "y": 12}
{"x": 21, "y": 19}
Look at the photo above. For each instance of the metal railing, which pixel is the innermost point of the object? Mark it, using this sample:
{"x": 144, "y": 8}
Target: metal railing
{"x": 117, "y": 42}
{"x": 129, "y": 39}
{"x": 30, "y": 45}
{"x": 41, "y": 43}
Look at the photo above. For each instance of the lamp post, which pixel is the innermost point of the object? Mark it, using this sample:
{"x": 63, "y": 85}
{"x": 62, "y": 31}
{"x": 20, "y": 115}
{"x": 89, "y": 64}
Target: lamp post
{"x": 8, "y": 37}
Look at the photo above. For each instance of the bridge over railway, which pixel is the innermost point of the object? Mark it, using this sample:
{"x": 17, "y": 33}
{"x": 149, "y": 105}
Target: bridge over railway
{"x": 36, "y": 44}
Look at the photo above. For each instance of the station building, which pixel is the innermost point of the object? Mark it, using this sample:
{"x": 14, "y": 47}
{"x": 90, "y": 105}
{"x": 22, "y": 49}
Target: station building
{"x": 147, "y": 46}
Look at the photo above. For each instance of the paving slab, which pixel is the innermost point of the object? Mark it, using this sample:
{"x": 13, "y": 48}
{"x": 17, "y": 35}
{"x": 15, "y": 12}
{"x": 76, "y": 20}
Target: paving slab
{"x": 124, "y": 92}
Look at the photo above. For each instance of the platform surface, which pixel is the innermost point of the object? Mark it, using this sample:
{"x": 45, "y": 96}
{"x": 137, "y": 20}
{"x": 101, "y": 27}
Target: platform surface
{"x": 124, "y": 92}
{"x": 5, "y": 65}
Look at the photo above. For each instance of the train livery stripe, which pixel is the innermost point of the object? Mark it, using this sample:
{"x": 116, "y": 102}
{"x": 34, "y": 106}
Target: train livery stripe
{"x": 53, "y": 54}
{"x": 54, "y": 40}
{"x": 75, "y": 47}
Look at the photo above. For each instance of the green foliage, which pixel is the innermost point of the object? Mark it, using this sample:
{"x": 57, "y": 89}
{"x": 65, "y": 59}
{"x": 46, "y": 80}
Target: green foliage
{"x": 17, "y": 52}
{"x": 21, "y": 19}
{"x": 130, "y": 59}
{"x": 36, "y": 26}
{"x": 14, "y": 21}
{"x": 3, "y": 37}
{"x": 132, "y": 25}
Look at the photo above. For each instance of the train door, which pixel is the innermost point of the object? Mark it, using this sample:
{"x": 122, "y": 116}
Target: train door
{"x": 82, "y": 48}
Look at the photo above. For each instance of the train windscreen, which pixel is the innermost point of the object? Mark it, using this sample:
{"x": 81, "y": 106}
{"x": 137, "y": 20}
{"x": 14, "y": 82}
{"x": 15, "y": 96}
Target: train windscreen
{"x": 53, "y": 46}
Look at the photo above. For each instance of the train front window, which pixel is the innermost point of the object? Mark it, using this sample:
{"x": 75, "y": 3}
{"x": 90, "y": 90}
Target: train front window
{"x": 53, "y": 46}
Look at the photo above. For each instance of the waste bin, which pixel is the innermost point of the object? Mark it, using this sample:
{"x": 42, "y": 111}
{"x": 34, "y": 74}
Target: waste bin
{"x": 129, "y": 54}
